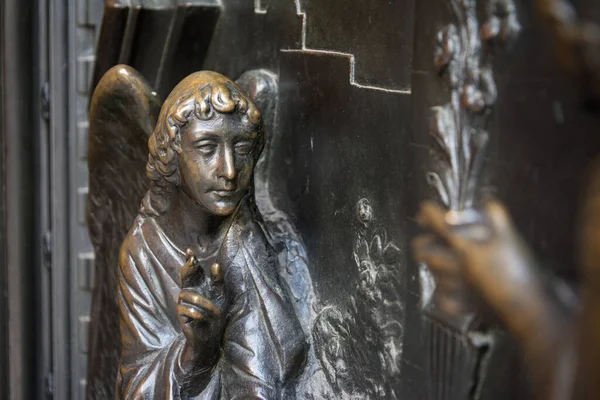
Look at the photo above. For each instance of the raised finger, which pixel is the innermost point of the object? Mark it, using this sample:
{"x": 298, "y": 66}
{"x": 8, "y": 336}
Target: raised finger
{"x": 216, "y": 273}
{"x": 200, "y": 301}
{"x": 191, "y": 269}
{"x": 189, "y": 254}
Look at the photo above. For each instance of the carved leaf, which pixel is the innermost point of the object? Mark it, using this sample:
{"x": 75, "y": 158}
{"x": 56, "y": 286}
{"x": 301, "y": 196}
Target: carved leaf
{"x": 447, "y": 47}
{"x": 391, "y": 254}
{"x": 443, "y": 131}
{"x": 361, "y": 251}
{"x": 488, "y": 87}
{"x": 434, "y": 180}
{"x": 376, "y": 248}
{"x": 478, "y": 143}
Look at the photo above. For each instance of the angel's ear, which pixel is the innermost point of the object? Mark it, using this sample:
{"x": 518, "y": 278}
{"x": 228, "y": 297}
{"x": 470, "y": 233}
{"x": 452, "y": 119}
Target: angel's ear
{"x": 175, "y": 137}
{"x": 176, "y": 146}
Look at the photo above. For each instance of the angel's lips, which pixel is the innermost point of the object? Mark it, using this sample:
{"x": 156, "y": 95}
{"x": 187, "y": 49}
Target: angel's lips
{"x": 224, "y": 193}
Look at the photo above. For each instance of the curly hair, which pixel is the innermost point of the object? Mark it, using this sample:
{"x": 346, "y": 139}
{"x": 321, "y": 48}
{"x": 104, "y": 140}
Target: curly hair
{"x": 202, "y": 95}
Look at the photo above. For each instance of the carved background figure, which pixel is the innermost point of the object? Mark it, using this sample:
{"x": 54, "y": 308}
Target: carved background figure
{"x": 370, "y": 321}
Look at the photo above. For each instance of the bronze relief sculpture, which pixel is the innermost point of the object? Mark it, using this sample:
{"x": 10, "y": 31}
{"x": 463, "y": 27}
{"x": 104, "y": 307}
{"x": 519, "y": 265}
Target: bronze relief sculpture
{"x": 203, "y": 309}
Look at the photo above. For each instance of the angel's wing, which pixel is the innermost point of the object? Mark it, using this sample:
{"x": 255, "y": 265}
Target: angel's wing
{"x": 123, "y": 113}
{"x": 262, "y": 86}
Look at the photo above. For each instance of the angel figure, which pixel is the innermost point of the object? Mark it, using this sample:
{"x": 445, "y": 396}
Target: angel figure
{"x": 202, "y": 307}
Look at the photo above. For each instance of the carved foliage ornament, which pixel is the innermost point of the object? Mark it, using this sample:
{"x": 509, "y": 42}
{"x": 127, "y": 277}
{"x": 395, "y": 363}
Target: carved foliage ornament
{"x": 463, "y": 57}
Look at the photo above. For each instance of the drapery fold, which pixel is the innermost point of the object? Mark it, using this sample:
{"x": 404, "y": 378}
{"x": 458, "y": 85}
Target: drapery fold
{"x": 263, "y": 345}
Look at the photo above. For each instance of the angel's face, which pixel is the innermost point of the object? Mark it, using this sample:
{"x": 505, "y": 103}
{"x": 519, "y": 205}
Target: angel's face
{"x": 217, "y": 161}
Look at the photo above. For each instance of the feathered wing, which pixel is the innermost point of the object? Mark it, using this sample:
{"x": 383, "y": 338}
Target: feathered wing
{"x": 262, "y": 86}
{"x": 123, "y": 113}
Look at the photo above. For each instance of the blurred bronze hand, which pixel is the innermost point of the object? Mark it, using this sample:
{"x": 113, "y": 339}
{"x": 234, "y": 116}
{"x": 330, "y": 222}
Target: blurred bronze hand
{"x": 481, "y": 253}
{"x": 481, "y": 249}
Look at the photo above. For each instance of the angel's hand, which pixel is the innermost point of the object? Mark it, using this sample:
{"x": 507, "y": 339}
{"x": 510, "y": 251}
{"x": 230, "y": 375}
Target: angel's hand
{"x": 200, "y": 309}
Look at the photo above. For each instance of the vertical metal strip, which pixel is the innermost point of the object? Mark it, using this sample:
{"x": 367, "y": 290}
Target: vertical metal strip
{"x": 43, "y": 203}
{"x": 173, "y": 35}
{"x": 3, "y": 230}
{"x": 132, "y": 17}
{"x": 59, "y": 128}
{"x": 19, "y": 157}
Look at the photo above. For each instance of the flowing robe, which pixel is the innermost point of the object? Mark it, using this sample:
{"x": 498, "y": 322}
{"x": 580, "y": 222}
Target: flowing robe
{"x": 263, "y": 345}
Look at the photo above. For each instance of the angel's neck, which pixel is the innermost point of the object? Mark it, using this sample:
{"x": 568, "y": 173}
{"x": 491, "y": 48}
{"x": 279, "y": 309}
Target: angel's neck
{"x": 188, "y": 223}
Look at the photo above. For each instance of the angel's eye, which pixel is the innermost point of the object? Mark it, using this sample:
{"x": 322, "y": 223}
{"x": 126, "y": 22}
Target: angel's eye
{"x": 243, "y": 148}
{"x": 206, "y": 148}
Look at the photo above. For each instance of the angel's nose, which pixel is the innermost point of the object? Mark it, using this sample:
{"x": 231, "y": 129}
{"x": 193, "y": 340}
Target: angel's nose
{"x": 227, "y": 164}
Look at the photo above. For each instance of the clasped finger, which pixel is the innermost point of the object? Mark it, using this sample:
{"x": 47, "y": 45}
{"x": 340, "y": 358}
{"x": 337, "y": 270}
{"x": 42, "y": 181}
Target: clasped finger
{"x": 192, "y": 298}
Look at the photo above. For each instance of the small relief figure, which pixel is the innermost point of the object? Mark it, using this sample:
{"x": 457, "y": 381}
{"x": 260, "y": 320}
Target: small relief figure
{"x": 378, "y": 293}
{"x": 370, "y": 322}
{"x": 203, "y": 310}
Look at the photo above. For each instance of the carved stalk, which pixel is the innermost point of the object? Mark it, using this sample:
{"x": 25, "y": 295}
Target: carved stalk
{"x": 463, "y": 58}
